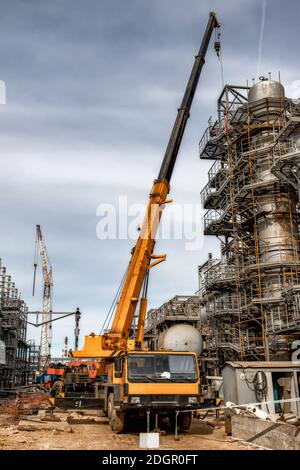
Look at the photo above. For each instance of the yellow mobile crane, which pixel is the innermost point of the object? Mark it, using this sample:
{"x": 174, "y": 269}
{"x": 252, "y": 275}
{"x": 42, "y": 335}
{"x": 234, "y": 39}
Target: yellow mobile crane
{"x": 131, "y": 380}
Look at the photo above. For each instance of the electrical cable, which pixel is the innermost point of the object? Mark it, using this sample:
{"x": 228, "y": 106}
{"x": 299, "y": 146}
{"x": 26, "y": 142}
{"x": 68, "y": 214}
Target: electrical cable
{"x": 218, "y": 50}
{"x": 260, "y": 387}
{"x": 145, "y": 285}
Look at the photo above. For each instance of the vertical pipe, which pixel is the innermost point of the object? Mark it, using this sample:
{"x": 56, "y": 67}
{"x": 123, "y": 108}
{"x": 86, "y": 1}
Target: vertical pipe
{"x": 77, "y": 330}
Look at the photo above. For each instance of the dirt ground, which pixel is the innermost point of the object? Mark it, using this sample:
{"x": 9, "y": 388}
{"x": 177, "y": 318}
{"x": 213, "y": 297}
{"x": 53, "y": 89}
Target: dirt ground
{"x": 98, "y": 435}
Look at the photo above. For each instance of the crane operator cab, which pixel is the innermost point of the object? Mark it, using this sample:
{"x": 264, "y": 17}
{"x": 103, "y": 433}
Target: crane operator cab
{"x": 161, "y": 367}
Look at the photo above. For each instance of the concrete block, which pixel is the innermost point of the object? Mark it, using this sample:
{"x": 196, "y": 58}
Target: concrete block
{"x": 6, "y": 419}
{"x": 81, "y": 420}
{"x": 277, "y": 436}
{"x": 149, "y": 440}
{"x": 50, "y": 418}
{"x": 44, "y": 426}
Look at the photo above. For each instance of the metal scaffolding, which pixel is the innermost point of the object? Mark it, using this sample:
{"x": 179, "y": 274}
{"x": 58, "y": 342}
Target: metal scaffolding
{"x": 180, "y": 309}
{"x": 14, "y": 369}
{"x": 250, "y": 296}
{"x": 33, "y": 360}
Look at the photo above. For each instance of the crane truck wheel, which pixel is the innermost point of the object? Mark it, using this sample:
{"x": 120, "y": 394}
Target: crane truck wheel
{"x": 117, "y": 421}
{"x": 57, "y": 388}
{"x": 110, "y": 404}
{"x": 117, "y": 418}
{"x": 184, "y": 421}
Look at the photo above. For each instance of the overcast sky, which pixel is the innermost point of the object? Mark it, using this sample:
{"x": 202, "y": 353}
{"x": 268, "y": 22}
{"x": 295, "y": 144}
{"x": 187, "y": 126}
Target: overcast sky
{"x": 92, "y": 92}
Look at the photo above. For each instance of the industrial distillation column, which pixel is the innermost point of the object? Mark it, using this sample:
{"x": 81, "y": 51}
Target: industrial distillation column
{"x": 251, "y": 296}
{"x": 275, "y": 203}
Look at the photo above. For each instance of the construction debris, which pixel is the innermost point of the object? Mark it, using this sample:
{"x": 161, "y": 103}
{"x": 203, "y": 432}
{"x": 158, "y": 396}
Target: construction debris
{"x": 92, "y": 437}
{"x": 76, "y": 418}
{"x": 39, "y": 426}
{"x": 276, "y": 436}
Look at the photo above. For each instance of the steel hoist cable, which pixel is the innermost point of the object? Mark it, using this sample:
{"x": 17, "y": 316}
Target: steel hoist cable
{"x": 113, "y": 304}
{"x": 218, "y": 50}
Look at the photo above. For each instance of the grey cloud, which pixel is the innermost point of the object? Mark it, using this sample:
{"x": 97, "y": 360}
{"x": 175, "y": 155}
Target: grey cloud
{"x": 92, "y": 93}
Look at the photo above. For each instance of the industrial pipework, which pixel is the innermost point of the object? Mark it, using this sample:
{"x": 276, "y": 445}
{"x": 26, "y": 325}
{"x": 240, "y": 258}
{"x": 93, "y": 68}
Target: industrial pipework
{"x": 250, "y": 296}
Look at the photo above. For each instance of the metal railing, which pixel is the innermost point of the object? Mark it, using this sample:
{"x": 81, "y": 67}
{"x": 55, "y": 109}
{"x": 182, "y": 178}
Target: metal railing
{"x": 179, "y": 308}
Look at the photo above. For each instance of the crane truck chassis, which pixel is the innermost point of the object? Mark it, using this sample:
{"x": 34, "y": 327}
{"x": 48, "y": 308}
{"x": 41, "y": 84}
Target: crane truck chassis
{"x": 136, "y": 383}
{"x": 152, "y": 382}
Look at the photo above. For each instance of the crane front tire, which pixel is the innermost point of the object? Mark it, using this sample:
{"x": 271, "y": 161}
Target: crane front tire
{"x": 57, "y": 388}
{"x": 110, "y": 404}
{"x": 184, "y": 421}
{"x": 116, "y": 417}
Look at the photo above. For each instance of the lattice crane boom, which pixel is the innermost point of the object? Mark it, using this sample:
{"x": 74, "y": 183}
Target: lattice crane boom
{"x": 46, "y": 331}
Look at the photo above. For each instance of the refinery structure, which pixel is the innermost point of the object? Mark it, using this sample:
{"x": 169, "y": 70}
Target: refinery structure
{"x": 175, "y": 324}
{"x": 250, "y": 295}
{"x": 14, "y": 349}
{"x": 248, "y": 303}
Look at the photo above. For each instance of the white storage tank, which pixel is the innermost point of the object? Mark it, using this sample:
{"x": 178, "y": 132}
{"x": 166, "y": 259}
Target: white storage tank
{"x": 181, "y": 337}
{"x": 266, "y": 99}
{"x": 266, "y": 89}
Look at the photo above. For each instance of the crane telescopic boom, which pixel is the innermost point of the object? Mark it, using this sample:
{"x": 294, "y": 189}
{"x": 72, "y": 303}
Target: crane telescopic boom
{"x": 169, "y": 160}
{"x": 143, "y": 257}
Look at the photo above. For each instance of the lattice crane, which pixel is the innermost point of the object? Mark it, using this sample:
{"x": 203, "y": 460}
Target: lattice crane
{"x": 46, "y": 331}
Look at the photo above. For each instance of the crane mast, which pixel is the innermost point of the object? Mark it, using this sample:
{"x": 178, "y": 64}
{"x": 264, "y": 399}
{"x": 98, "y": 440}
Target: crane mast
{"x": 143, "y": 256}
{"x": 46, "y": 331}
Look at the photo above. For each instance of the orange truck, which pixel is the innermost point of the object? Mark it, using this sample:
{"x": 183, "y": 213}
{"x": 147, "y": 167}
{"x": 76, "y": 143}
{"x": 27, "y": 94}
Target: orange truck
{"x": 73, "y": 380}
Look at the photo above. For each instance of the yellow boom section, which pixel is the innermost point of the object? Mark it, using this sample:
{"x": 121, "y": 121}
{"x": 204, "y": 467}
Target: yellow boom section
{"x": 142, "y": 259}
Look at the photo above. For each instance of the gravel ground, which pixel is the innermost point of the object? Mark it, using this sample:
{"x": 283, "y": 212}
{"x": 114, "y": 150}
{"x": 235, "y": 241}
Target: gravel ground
{"x": 99, "y": 436}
